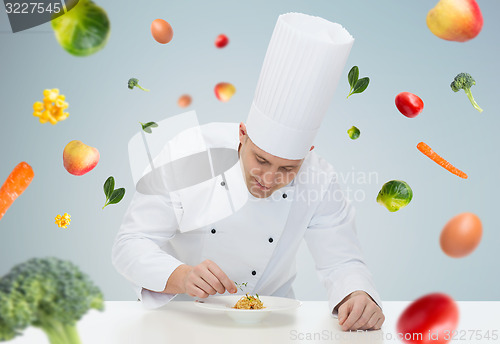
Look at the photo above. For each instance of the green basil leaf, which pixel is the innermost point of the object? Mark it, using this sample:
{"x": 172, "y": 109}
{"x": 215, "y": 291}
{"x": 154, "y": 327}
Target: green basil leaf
{"x": 353, "y": 76}
{"x": 109, "y": 186}
{"x": 147, "y": 127}
{"x": 151, "y": 124}
{"x": 361, "y": 85}
{"x": 117, "y": 196}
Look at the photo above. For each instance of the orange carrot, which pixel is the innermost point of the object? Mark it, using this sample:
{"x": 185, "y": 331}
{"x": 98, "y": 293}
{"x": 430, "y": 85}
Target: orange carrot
{"x": 18, "y": 180}
{"x": 424, "y": 148}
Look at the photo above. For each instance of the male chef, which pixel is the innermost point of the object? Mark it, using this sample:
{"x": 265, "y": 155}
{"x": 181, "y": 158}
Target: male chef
{"x": 292, "y": 194}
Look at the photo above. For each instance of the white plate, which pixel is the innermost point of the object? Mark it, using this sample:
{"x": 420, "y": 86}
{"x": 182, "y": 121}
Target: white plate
{"x": 225, "y": 303}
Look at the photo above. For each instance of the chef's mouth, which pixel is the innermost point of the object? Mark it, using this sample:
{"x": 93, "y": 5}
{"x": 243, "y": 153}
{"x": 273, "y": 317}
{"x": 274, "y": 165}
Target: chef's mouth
{"x": 262, "y": 186}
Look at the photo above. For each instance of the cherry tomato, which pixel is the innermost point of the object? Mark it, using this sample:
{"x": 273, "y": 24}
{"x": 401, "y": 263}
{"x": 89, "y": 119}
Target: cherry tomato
{"x": 430, "y": 319}
{"x": 221, "y": 41}
{"x": 409, "y": 104}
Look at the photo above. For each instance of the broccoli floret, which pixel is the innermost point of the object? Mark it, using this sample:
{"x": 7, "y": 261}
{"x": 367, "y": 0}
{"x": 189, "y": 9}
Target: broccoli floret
{"x": 132, "y": 82}
{"x": 47, "y": 293}
{"x": 465, "y": 81}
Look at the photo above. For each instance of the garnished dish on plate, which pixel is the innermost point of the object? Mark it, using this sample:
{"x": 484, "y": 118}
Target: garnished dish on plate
{"x": 249, "y": 302}
{"x": 228, "y": 304}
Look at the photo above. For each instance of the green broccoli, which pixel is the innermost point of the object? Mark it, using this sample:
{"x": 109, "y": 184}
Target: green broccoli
{"x": 47, "y": 293}
{"x": 135, "y": 82}
{"x": 465, "y": 81}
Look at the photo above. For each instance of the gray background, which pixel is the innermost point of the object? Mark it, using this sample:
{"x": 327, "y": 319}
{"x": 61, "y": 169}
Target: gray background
{"x": 393, "y": 46}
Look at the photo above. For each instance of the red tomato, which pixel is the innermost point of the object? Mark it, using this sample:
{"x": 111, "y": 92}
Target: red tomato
{"x": 221, "y": 41}
{"x": 409, "y": 104}
{"x": 429, "y": 320}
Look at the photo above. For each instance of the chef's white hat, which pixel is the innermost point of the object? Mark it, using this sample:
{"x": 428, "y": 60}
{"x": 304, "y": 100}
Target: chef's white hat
{"x": 301, "y": 70}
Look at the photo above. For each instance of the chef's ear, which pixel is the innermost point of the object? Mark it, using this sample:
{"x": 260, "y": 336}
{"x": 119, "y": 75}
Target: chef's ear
{"x": 243, "y": 132}
{"x": 312, "y": 147}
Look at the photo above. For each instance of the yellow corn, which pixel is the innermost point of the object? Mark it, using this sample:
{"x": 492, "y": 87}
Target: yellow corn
{"x": 63, "y": 221}
{"x": 51, "y": 108}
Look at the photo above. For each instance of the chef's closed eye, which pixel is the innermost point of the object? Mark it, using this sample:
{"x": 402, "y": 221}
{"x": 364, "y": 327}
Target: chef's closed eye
{"x": 261, "y": 160}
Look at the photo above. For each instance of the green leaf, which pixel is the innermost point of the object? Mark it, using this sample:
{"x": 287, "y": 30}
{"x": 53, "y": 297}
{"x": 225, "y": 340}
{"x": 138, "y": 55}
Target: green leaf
{"x": 117, "y": 196}
{"x": 109, "y": 186}
{"x": 361, "y": 85}
{"x": 353, "y": 76}
{"x": 147, "y": 127}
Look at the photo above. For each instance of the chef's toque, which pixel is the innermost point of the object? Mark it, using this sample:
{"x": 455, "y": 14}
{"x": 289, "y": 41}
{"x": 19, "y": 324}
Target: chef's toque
{"x": 301, "y": 70}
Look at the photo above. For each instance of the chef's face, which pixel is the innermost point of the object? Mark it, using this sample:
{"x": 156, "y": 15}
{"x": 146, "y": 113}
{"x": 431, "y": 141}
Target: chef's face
{"x": 264, "y": 173}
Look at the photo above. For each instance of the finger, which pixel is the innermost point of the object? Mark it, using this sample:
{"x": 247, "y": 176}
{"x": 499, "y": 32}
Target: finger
{"x": 194, "y": 291}
{"x": 344, "y": 311}
{"x": 379, "y": 323}
{"x": 354, "y": 315}
{"x": 371, "y": 322}
{"x": 203, "y": 285}
{"x": 222, "y": 277}
{"x": 368, "y": 312}
{"x": 213, "y": 281}
{"x": 363, "y": 320}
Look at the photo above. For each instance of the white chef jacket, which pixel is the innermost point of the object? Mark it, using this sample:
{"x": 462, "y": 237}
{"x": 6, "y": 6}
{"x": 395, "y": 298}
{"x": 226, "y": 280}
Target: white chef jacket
{"x": 256, "y": 245}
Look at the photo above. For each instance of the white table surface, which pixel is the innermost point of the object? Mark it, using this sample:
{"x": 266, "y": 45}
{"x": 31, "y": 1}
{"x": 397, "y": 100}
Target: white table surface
{"x": 125, "y": 322}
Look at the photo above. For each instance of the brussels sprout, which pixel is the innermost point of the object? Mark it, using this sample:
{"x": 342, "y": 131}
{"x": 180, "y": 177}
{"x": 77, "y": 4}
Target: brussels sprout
{"x": 83, "y": 30}
{"x": 353, "y": 133}
{"x": 394, "y": 195}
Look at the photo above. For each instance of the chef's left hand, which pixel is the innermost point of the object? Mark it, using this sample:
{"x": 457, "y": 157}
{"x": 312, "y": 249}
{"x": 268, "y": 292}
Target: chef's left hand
{"x": 358, "y": 311}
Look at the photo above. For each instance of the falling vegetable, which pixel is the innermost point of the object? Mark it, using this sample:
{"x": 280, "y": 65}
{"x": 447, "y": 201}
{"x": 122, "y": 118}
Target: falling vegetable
{"x": 62, "y": 221}
{"x": 133, "y": 82}
{"x": 147, "y": 126}
{"x": 357, "y": 86}
{"x": 409, "y": 104}
{"x": 429, "y": 320}
{"x": 353, "y": 133}
{"x": 112, "y": 196}
{"x": 49, "y": 294}
{"x": 83, "y": 30}
{"x": 221, "y": 41}
{"x": 465, "y": 81}
{"x": 15, "y": 184}
{"x": 394, "y": 195}
{"x": 424, "y": 148}
{"x": 52, "y": 108}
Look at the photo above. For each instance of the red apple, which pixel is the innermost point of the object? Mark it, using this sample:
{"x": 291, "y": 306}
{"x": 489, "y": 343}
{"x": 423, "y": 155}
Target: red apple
{"x": 78, "y": 158}
{"x": 224, "y": 91}
{"x": 455, "y": 20}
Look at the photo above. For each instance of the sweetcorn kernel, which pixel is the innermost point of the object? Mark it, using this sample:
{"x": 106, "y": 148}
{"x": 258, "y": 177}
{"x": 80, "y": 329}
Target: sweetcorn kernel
{"x": 38, "y": 106}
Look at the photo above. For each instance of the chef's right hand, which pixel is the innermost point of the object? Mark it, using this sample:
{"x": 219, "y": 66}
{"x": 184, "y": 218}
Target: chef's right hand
{"x": 202, "y": 280}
